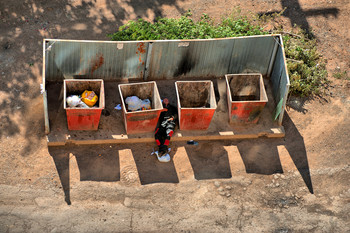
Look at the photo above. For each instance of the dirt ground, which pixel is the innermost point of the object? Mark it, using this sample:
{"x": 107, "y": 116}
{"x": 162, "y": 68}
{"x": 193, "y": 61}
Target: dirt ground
{"x": 296, "y": 184}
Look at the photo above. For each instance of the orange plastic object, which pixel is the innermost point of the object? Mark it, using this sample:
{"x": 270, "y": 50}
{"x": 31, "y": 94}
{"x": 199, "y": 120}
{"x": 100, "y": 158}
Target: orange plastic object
{"x": 89, "y": 98}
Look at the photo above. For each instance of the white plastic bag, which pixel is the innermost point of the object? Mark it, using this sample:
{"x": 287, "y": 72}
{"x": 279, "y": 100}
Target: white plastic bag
{"x": 73, "y": 101}
{"x": 133, "y": 102}
{"x": 146, "y": 104}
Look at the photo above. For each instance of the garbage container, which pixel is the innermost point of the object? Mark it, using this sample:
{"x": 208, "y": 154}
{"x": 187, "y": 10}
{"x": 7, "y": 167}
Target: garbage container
{"x": 246, "y": 97}
{"x": 79, "y": 118}
{"x": 196, "y": 104}
{"x": 141, "y": 121}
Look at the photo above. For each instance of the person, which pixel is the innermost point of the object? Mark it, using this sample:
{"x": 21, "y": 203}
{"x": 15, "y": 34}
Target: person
{"x": 165, "y": 129}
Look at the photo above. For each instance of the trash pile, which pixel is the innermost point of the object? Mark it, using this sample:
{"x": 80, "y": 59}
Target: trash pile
{"x": 87, "y": 100}
{"x": 136, "y": 104}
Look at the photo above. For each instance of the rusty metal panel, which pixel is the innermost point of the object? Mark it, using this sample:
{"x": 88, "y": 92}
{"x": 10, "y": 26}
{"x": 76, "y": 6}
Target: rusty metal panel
{"x": 252, "y": 54}
{"x": 94, "y": 59}
{"x": 189, "y": 58}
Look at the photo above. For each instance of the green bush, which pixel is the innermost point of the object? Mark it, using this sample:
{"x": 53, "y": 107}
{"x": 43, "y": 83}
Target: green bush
{"x": 186, "y": 28}
{"x": 306, "y": 69}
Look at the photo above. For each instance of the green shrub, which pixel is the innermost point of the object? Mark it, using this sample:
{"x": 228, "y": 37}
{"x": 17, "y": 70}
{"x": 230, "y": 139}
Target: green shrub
{"x": 306, "y": 68}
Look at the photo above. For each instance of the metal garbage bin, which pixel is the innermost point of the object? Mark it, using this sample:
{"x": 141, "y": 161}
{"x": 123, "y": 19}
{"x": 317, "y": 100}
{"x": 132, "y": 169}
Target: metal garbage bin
{"x": 79, "y": 118}
{"x": 196, "y": 104}
{"x": 141, "y": 121}
{"x": 246, "y": 97}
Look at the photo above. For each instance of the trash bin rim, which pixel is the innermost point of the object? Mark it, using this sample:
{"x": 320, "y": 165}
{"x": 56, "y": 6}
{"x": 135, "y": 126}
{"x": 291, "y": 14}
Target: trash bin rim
{"x": 194, "y": 81}
{"x": 246, "y": 101}
{"x": 80, "y": 108}
{"x": 138, "y": 83}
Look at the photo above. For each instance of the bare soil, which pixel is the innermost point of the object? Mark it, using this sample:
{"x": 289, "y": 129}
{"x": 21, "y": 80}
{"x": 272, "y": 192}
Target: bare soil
{"x": 296, "y": 184}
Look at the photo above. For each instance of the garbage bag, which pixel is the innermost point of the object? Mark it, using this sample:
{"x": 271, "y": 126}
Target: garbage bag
{"x": 73, "y": 101}
{"x": 133, "y": 102}
{"x": 146, "y": 104}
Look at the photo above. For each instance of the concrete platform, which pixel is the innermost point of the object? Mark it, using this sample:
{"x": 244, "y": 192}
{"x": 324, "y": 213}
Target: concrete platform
{"x": 112, "y": 130}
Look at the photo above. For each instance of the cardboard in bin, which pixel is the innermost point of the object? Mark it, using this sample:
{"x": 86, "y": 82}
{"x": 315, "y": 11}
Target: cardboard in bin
{"x": 141, "y": 121}
{"x": 246, "y": 97}
{"x": 196, "y": 104}
{"x": 84, "y": 118}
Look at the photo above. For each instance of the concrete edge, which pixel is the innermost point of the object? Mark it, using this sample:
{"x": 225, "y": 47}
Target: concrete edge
{"x": 123, "y": 139}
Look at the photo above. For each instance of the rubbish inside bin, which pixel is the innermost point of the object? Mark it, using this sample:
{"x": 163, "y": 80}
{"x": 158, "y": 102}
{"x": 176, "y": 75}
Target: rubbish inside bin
{"x": 89, "y": 98}
{"x": 135, "y": 103}
{"x": 73, "y": 101}
{"x": 146, "y": 104}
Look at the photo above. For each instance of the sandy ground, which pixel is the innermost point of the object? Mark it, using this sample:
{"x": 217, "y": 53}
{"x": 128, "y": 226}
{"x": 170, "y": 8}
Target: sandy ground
{"x": 296, "y": 184}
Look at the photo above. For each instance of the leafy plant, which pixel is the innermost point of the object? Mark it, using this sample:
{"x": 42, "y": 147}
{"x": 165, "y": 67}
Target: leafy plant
{"x": 306, "y": 68}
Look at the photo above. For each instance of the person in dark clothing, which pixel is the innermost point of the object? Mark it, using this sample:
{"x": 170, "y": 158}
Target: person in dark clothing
{"x": 165, "y": 129}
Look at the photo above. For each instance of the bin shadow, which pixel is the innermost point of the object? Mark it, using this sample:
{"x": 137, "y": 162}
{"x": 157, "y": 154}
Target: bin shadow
{"x": 60, "y": 155}
{"x": 208, "y": 161}
{"x": 150, "y": 170}
{"x": 97, "y": 163}
{"x": 260, "y": 156}
{"x": 295, "y": 146}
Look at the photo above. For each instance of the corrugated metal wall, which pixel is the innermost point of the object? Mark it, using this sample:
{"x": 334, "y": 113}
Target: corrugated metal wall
{"x": 251, "y": 54}
{"x": 280, "y": 79}
{"x": 107, "y": 60}
{"x": 188, "y": 59}
{"x": 155, "y": 60}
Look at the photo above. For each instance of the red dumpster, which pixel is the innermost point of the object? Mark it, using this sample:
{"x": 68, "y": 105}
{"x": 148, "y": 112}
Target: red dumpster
{"x": 196, "y": 104}
{"x": 246, "y": 97}
{"x": 79, "y": 118}
{"x": 141, "y": 121}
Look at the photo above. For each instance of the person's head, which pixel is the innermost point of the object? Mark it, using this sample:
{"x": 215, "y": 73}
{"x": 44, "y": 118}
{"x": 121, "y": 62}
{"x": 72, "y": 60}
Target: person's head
{"x": 165, "y": 102}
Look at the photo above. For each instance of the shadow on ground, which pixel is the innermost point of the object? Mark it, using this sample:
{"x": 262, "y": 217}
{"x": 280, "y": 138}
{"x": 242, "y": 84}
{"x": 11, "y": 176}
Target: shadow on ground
{"x": 208, "y": 160}
{"x": 261, "y": 156}
{"x": 298, "y": 16}
{"x": 61, "y": 158}
{"x": 24, "y": 25}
